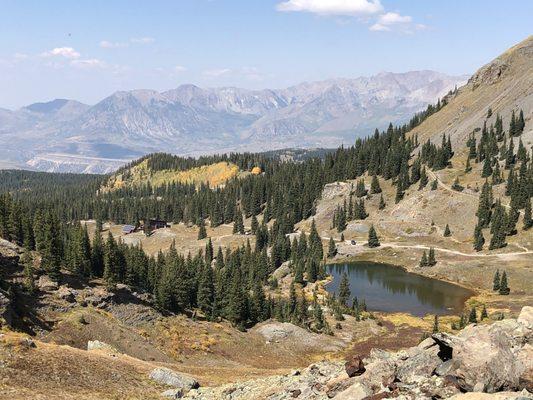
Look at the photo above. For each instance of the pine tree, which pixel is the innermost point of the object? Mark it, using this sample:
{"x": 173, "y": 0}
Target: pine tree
{"x": 254, "y": 224}
{"x": 528, "y": 221}
{"x": 484, "y": 314}
{"x": 206, "y": 291}
{"x": 27, "y": 262}
{"x": 496, "y": 281}
{"x": 423, "y": 260}
{"x": 373, "y": 240}
{"x": 374, "y": 185}
{"x": 202, "y": 232}
{"x": 447, "y": 231}
{"x": 238, "y": 225}
{"x": 97, "y": 255}
{"x": 332, "y": 248}
{"x": 479, "y": 240}
{"x": 472, "y": 317}
{"x": 487, "y": 168}
{"x": 434, "y": 184}
{"x": 504, "y": 288}
{"x": 344, "y": 290}
{"x": 520, "y": 124}
{"x": 431, "y": 257}
{"x": 423, "y": 179}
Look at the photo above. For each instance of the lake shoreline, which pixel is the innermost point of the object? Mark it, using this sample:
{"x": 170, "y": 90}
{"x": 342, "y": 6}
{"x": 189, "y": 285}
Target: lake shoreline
{"x": 366, "y": 256}
{"x": 414, "y": 286}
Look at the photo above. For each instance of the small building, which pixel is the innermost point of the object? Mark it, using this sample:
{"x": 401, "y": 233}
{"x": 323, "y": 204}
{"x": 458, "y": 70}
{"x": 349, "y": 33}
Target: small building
{"x": 152, "y": 224}
{"x": 127, "y": 229}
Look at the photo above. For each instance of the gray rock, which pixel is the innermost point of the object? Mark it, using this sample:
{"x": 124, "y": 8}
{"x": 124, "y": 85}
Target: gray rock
{"x": 444, "y": 368}
{"x": 357, "y": 391}
{"x": 98, "y": 345}
{"x": 168, "y": 377}
{"x": 66, "y": 293}
{"x": 173, "y": 393}
{"x": 282, "y": 271}
{"x": 526, "y": 317}
{"x": 46, "y": 284}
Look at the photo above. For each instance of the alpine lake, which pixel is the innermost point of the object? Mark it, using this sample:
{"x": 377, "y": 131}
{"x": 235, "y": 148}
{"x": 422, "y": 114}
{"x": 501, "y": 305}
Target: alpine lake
{"x": 388, "y": 288}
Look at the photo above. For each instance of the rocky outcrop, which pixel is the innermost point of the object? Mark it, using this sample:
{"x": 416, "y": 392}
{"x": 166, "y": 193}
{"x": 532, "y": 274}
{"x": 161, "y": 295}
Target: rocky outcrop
{"x": 487, "y": 361}
{"x": 166, "y": 376}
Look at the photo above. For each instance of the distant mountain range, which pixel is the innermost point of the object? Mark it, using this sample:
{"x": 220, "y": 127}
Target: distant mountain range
{"x": 66, "y": 135}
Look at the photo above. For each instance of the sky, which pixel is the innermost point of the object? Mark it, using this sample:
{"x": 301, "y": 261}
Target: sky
{"x": 86, "y": 50}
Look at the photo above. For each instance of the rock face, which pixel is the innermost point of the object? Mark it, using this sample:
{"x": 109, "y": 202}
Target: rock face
{"x": 492, "y": 361}
{"x": 169, "y": 377}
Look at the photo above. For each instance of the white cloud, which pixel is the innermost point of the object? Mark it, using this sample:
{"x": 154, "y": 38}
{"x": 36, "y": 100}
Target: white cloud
{"x": 20, "y": 56}
{"x": 394, "y": 21}
{"x": 215, "y": 73}
{"x": 88, "y": 63}
{"x": 67, "y": 52}
{"x": 142, "y": 40}
{"x": 352, "y": 8}
{"x": 112, "y": 45}
{"x": 179, "y": 68}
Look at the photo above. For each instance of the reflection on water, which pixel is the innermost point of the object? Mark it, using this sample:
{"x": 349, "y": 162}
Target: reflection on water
{"x": 391, "y": 289}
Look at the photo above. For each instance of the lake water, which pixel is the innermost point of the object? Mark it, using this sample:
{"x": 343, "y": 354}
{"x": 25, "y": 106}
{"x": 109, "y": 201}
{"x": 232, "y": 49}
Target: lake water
{"x": 391, "y": 289}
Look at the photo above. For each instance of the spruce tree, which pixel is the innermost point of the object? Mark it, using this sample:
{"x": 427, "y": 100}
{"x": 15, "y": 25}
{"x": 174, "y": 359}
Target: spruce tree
{"x": 447, "y": 231}
{"x": 431, "y": 257}
{"x": 423, "y": 179}
{"x": 344, "y": 290}
{"x": 434, "y": 184}
{"x": 27, "y": 262}
{"x": 374, "y": 185}
{"x": 484, "y": 314}
{"x": 479, "y": 240}
{"x": 504, "y": 288}
{"x": 472, "y": 317}
{"x": 423, "y": 260}
{"x": 528, "y": 221}
{"x": 202, "y": 232}
{"x": 332, "y": 248}
{"x": 373, "y": 240}
{"x": 238, "y": 225}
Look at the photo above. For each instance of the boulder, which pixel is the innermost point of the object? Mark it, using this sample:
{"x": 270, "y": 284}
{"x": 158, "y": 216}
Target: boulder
{"x": 173, "y": 393}
{"x": 419, "y": 362}
{"x": 98, "y": 345}
{"x": 282, "y": 271}
{"x": 357, "y": 391}
{"x": 46, "y": 284}
{"x": 166, "y": 376}
{"x": 354, "y": 366}
{"x": 486, "y": 357}
{"x": 526, "y": 317}
{"x": 66, "y": 293}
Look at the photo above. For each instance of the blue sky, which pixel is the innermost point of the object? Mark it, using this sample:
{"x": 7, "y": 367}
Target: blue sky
{"x": 86, "y": 50}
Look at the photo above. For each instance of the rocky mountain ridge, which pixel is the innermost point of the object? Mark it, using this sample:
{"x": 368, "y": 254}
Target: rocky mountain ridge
{"x": 65, "y": 135}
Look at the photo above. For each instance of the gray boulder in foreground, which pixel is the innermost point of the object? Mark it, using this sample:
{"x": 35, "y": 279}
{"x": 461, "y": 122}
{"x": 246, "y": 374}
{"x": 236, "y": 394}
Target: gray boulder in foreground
{"x": 166, "y": 376}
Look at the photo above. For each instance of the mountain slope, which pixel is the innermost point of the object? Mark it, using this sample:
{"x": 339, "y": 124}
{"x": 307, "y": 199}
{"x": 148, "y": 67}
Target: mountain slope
{"x": 64, "y": 135}
{"x": 504, "y": 84}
